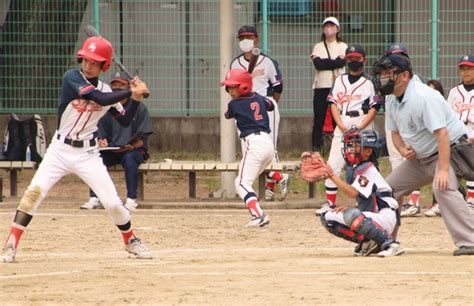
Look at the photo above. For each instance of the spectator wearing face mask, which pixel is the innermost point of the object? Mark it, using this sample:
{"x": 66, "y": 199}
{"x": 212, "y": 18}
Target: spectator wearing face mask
{"x": 328, "y": 59}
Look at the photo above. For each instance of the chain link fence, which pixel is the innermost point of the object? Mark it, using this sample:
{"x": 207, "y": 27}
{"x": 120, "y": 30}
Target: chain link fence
{"x": 174, "y": 45}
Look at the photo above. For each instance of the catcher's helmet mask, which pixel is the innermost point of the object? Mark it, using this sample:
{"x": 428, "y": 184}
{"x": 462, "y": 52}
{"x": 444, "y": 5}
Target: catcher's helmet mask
{"x": 355, "y": 141}
{"x": 394, "y": 63}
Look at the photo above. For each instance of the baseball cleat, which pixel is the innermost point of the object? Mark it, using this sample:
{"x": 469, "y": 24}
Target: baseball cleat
{"x": 410, "y": 210}
{"x": 259, "y": 221}
{"x": 93, "y": 203}
{"x": 8, "y": 253}
{"x": 131, "y": 204}
{"x": 325, "y": 207}
{"x": 368, "y": 248}
{"x": 434, "y": 211}
{"x": 393, "y": 250}
{"x": 284, "y": 185}
{"x": 137, "y": 248}
{"x": 269, "y": 195}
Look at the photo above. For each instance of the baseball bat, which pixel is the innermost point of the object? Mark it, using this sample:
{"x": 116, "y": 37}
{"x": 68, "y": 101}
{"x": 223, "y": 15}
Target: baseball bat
{"x": 92, "y": 32}
{"x": 253, "y": 59}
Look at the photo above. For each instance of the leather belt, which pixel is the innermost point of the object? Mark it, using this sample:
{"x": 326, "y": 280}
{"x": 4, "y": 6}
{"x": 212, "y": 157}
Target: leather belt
{"x": 77, "y": 143}
{"x": 352, "y": 114}
{"x": 462, "y": 139}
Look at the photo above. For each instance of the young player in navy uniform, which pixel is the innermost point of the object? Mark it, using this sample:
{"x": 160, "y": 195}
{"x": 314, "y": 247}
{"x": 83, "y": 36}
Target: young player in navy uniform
{"x": 370, "y": 224}
{"x": 267, "y": 82}
{"x": 352, "y": 103}
{"x": 250, "y": 110}
{"x": 132, "y": 141}
{"x": 83, "y": 101}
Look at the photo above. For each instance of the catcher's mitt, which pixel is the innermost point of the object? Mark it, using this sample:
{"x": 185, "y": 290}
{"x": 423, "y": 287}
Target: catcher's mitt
{"x": 314, "y": 168}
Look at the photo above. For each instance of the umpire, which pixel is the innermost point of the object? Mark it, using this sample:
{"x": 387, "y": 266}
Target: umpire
{"x": 423, "y": 128}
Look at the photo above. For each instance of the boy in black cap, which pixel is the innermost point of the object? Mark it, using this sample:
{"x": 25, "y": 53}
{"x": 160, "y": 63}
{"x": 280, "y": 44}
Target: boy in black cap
{"x": 461, "y": 99}
{"x": 267, "y": 82}
{"x": 352, "y": 104}
{"x": 132, "y": 141}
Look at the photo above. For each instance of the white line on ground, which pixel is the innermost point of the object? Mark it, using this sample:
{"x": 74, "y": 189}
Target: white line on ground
{"x": 38, "y": 274}
{"x": 365, "y": 273}
{"x": 314, "y": 250}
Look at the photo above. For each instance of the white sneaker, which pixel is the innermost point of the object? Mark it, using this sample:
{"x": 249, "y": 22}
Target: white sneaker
{"x": 269, "y": 195}
{"x": 259, "y": 221}
{"x": 410, "y": 210}
{"x": 434, "y": 211}
{"x": 131, "y": 204}
{"x": 393, "y": 250}
{"x": 325, "y": 207}
{"x": 284, "y": 185}
{"x": 8, "y": 253}
{"x": 137, "y": 248}
{"x": 93, "y": 203}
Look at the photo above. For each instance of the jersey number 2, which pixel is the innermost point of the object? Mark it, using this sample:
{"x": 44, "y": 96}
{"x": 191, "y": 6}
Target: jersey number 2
{"x": 256, "y": 111}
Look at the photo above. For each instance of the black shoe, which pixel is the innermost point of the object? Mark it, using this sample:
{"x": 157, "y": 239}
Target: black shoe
{"x": 464, "y": 250}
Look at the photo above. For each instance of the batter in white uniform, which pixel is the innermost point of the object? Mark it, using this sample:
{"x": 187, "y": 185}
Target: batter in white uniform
{"x": 84, "y": 100}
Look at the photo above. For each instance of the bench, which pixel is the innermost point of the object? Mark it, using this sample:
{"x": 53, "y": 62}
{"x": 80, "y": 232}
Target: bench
{"x": 13, "y": 167}
{"x": 192, "y": 167}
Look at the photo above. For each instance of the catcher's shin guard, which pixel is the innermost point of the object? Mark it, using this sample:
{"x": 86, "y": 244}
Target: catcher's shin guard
{"x": 340, "y": 230}
{"x": 360, "y": 224}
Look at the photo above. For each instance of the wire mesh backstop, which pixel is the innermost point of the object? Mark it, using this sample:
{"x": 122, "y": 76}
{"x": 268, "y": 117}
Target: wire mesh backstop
{"x": 174, "y": 45}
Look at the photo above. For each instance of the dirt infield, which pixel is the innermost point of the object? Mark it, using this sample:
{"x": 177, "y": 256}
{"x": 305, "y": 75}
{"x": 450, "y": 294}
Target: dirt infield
{"x": 208, "y": 257}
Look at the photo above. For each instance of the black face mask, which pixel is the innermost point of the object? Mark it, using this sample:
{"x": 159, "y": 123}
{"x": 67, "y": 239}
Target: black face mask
{"x": 355, "y": 66}
{"x": 385, "y": 89}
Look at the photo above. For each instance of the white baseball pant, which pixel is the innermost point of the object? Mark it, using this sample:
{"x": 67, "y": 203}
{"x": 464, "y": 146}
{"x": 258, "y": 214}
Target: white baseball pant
{"x": 62, "y": 159}
{"x": 386, "y": 218}
{"x": 258, "y": 154}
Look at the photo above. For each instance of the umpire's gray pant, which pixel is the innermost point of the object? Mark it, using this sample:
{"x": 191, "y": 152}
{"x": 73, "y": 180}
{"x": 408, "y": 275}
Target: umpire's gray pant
{"x": 413, "y": 174}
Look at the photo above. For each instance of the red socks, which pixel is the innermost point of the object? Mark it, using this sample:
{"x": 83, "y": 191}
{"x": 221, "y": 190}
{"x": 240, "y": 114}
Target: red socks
{"x": 127, "y": 236}
{"x": 15, "y": 234}
{"x": 254, "y": 207}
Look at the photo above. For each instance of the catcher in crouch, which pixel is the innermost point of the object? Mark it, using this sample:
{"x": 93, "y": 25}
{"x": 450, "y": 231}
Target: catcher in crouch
{"x": 370, "y": 224}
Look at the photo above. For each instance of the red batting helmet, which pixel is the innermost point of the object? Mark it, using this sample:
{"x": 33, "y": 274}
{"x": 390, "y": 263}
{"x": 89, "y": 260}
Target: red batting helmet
{"x": 98, "y": 49}
{"x": 239, "y": 77}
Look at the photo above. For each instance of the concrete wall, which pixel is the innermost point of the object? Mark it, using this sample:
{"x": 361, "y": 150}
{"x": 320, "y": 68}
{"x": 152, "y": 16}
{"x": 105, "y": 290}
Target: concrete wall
{"x": 201, "y": 134}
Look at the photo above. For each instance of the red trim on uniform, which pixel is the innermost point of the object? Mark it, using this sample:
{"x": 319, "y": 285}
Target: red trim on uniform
{"x": 83, "y": 127}
{"x": 75, "y": 123}
{"x": 86, "y": 89}
{"x": 463, "y": 98}
{"x": 364, "y": 169}
{"x": 352, "y": 93}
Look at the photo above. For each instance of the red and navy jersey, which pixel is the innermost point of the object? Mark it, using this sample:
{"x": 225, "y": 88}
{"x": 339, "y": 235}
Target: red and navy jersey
{"x": 77, "y": 116}
{"x": 250, "y": 113}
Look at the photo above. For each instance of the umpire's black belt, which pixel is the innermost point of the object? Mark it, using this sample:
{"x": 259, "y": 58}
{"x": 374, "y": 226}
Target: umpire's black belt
{"x": 77, "y": 143}
{"x": 352, "y": 114}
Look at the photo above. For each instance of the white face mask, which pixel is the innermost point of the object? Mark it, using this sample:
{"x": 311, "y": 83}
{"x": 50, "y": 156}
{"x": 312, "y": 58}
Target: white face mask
{"x": 246, "y": 45}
